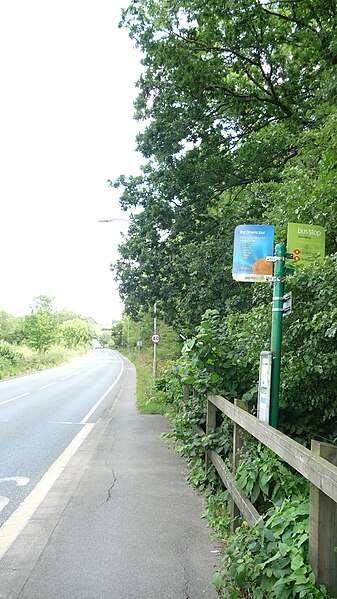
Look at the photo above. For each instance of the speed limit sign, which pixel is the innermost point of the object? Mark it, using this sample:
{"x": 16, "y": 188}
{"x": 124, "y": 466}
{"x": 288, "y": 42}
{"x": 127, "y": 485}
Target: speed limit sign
{"x": 155, "y": 338}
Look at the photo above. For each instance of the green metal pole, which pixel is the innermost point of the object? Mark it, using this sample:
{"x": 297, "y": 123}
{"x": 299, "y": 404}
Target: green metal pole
{"x": 155, "y": 344}
{"x": 276, "y": 331}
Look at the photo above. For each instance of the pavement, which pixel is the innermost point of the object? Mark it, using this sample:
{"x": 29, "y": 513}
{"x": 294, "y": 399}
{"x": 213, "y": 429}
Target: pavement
{"x": 120, "y": 522}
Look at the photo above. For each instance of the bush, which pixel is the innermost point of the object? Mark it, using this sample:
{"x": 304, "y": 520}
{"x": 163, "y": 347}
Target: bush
{"x": 224, "y": 355}
{"x": 9, "y": 359}
{"x": 16, "y": 360}
{"x": 270, "y": 561}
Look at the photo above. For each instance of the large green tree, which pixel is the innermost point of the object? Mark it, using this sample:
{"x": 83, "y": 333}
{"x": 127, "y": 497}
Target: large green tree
{"x": 238, "y": 102}
{"x": 41, "y": 326}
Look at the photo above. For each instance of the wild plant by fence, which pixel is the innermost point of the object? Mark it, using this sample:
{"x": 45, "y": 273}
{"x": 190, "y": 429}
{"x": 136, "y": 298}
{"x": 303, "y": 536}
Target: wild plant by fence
{"x": 318, "y": 465}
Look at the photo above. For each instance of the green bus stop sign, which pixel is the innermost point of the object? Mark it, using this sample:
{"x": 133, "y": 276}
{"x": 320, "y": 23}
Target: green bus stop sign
{"x": 305, "y": 242}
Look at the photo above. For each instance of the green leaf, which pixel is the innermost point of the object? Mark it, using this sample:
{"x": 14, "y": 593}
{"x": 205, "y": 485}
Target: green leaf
{"x": 217, "y": 581}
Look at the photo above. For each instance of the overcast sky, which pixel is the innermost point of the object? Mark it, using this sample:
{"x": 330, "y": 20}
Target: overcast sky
{"x": 66, "y": 126}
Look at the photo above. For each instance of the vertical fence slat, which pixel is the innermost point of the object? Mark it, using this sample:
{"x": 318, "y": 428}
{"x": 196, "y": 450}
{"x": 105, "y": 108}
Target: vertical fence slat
{"x": 323, "y": 527}
{"x": 239, "y": 435}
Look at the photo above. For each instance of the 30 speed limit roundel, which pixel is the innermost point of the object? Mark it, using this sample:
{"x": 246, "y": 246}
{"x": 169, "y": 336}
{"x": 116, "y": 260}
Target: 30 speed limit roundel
{"x": 155, "y": 338}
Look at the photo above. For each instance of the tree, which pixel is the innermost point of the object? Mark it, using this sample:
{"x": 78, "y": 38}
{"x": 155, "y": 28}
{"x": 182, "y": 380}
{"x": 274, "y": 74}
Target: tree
{"x": 238, "y": 100}
{"x": 40, "y": 327}
{"x": 11, "y": 328}
{"x": 75, "y": 332}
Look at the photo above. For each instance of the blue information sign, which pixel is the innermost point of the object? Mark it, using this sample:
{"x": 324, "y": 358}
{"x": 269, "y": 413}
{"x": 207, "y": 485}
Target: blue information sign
{"x": 252, "y": 244}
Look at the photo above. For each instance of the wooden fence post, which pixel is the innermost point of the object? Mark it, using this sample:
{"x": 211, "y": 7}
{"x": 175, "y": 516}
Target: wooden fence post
{"x": 210, "y": 424}
{"x": 239, "y": 435}
{"x": 323, "y": 527}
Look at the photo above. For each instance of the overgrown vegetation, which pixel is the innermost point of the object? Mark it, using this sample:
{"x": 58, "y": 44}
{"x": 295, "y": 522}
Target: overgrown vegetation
{"x": 151, "y": 397}
{"x": 223, "y": 356}
{"x": 270, "y": 559}
{"x": 44, "y": 338}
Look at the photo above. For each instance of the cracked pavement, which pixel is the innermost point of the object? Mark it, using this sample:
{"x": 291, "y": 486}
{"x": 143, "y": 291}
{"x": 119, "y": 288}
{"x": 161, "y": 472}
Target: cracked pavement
{"x": 147, "y": 540}
{"x": 114, "y": 480}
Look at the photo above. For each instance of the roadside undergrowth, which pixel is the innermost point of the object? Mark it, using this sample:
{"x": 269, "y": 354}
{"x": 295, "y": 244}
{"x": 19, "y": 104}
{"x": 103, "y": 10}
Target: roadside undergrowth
{"x": 150, "y": 399}
{"x": 269, "y": 560}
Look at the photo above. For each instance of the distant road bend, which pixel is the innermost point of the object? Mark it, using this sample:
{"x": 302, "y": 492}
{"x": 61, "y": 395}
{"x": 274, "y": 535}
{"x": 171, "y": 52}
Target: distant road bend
{"x": 47, "y": 415}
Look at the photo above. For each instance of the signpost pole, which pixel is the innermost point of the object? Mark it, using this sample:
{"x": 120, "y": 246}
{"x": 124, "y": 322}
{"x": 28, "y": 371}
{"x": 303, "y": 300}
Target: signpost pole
{"x": 155, "y": 344}
{"x": 276, "y": 330}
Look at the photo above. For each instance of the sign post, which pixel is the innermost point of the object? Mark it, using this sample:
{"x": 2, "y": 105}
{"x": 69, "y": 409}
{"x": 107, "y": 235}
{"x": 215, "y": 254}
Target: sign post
{"x": 276, "y": 330}
{"x": 154, "y": 337}
{"x": 252, "y": 262}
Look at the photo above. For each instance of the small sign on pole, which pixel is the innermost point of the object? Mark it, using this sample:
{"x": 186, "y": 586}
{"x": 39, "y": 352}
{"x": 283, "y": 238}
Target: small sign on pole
{"x": 155, "y": 338}
{"x": 263, "y": 405}
{"x": 287, "y": 303}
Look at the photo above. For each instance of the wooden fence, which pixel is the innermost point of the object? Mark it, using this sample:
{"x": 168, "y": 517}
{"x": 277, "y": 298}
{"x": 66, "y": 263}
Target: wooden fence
{"x": 318, "y": 465}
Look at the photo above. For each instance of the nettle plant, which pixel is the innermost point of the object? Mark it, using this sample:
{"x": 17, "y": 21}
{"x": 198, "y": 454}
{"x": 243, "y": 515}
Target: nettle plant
{"x": 265, "y": 479}
{"x": 269, "y": 561}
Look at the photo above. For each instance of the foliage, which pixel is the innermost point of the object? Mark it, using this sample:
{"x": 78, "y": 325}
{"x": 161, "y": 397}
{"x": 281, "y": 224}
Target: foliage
{"x": 15, "y": 360}
{"x": 265, "y": 479}
{"x": 127, "y": 332}
{"x": 270, "y": 561}
{"x": 151, "y": 398}
{"x": 11, "y": 328}
{"x": 75, "y": 332}
{"x": 9, "y": 359}
{"x": 40, "y": 327}
{"x": 239, "y": 105}
{"x": 217, "y": 512}
{"x": 223, "y": 356}
{"x": 218, "y": 359}
{"x": 29, "y": 343}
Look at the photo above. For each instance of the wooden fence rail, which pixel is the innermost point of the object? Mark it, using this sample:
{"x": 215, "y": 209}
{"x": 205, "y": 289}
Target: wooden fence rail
{"x": 318, "y": 465}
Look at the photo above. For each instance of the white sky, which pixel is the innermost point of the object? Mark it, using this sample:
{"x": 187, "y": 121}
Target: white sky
{"x": 67, "y": 78}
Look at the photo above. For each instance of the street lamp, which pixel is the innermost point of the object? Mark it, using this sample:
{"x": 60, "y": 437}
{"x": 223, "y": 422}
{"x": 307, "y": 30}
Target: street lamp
{"x": 110, "y": 220}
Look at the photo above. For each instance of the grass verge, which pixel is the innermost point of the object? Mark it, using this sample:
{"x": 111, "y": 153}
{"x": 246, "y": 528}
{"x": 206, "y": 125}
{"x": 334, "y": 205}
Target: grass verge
{"x": 149, "y": 400}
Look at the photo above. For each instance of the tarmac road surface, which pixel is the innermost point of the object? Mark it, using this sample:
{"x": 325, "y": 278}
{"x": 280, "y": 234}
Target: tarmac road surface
{"x": 41, "y": 414}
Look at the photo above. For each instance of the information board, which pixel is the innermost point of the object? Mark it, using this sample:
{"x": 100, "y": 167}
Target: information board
{"x": 252, "y": 244}
{"x": 305, "y": 242}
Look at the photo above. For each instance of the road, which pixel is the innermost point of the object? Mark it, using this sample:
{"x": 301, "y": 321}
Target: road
{"x": 42, "y": 413}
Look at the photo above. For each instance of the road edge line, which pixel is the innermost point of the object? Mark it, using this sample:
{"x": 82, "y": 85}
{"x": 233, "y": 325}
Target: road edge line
{"x": 22, "y": 515}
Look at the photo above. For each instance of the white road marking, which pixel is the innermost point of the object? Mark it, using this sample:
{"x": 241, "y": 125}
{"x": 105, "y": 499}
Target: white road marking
{"x": 3, "y": 502}
{"x": 77, "y": 423}
{"x": 67, "y": 377}
{"x": 46, "y": 386}
{"x": 21, "y": 481}
{"x": 13, "y": 398}
{"x": 94, "y": 408}
{"x": 20, "y": 518}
